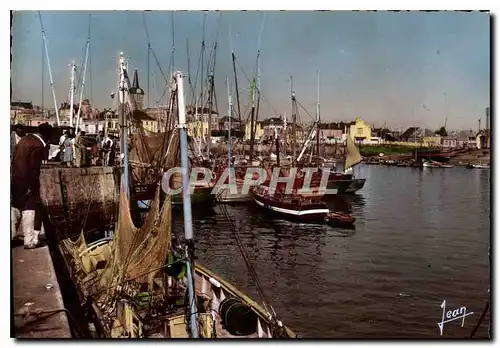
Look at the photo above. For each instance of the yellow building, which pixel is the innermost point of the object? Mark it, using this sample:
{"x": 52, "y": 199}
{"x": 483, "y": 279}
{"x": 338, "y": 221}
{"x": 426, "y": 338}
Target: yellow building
{"x": 431, "y": 141}
{"x": 360, "y": 130}
{"x": 197, "y": 129}
{"x": 259, "y": 130}
{"x": 112, "y": 123}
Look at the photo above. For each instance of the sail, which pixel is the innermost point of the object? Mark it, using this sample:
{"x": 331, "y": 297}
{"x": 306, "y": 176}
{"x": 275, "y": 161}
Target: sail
{"x": 353, "y": 156}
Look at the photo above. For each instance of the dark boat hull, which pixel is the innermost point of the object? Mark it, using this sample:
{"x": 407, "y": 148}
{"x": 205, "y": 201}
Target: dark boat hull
{"x": 309, "y": 213}
{"x": 346, "y": 186}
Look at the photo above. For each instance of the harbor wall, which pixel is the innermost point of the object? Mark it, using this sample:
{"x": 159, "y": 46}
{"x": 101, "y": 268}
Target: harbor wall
{"x": 76, "y": 198}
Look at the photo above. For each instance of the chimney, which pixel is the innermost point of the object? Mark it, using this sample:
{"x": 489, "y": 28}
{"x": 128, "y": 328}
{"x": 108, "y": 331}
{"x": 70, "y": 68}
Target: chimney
{"x": 479, "y": 121}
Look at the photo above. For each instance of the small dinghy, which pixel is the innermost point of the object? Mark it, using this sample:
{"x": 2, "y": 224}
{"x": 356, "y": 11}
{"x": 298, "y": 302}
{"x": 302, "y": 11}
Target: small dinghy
{"x": 340, "y": 219}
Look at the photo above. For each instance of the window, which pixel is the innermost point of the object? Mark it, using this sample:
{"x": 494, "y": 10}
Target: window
{"x": 360, "y": 131}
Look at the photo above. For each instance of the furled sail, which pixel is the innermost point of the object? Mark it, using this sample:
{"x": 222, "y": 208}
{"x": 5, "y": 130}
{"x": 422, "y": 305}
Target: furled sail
{"x": 353, "y": 156}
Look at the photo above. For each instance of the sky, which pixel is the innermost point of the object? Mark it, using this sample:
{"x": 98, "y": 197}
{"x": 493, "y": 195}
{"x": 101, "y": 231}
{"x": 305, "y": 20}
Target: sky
{"x": 397, "y": 69}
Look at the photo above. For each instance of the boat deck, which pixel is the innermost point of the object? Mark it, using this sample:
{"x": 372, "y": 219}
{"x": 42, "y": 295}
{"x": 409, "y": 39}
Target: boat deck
{"x": 36, "y": 291}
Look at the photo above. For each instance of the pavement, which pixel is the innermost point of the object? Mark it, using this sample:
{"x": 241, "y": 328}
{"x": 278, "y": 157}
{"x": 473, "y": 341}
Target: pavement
{"x": 38, "y": 304}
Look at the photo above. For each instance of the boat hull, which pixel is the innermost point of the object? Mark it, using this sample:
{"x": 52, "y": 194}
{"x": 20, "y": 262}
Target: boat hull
{"x": 200, "y": 196}
{"x": 310, "y": 213}
{"x": 346, "y": 186}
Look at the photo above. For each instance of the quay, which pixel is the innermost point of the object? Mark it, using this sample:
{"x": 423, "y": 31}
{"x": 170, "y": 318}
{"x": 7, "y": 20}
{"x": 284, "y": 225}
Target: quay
{"x": 39, "y": 310}
{"x": 70, "y": 196}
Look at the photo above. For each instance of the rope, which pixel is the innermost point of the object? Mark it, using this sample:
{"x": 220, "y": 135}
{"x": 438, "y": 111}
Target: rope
{"x": 251, "y": 269}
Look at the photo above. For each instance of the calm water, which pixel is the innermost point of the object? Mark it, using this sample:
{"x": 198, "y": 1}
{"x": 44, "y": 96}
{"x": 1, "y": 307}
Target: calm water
{"x": 421, "y": 237}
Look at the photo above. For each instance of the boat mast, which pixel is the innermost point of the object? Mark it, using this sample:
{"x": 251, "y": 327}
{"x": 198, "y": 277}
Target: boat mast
{"x": 72, "y": 93}
{"x": 294, "y": 121}
{"x": 258, "y": 74}
{"x": 122, "y": 87}
{"x": 277, "y": 140}
{"x": 188, "y": 223}
{"x": 209, "y": 136}
{"x": 252, "y": 118}
{"x": 318, "y": 120}
{"x": 83, "y": 78}
{"x": 229, "y": 115}
{"x": 235, "y": 77}
{"x": 53, "y": 87}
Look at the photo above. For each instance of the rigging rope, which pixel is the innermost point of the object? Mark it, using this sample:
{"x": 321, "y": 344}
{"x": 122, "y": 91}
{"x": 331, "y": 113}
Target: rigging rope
{"x": 261, "y": 95}
{"x": 250, "y": 268}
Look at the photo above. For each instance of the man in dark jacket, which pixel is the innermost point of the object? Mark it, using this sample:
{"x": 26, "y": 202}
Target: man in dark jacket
{"x": 25, "y": 182}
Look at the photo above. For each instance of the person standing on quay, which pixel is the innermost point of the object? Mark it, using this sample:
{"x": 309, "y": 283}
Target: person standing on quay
{"x": 25, "y": 183}
{"x": 79, "y": 150}
{"x": 100, "y": 139}
{"x": 67, "y": 154}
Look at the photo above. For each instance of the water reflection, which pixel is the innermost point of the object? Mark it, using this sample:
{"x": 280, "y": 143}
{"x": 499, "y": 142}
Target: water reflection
{"x": 420, "y": 232}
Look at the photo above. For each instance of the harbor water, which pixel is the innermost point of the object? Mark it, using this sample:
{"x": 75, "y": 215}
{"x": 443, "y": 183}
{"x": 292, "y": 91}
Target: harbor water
{"x": 421, "y": 237}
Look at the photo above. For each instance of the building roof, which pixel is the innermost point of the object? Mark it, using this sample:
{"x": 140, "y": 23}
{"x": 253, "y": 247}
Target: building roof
{"x": 226, "y": 119}
{"x": 67, "y": 106}
{"x": 410, "y": 132}
{"x": 23, "y": 105}
{"x": 336, "y": 125}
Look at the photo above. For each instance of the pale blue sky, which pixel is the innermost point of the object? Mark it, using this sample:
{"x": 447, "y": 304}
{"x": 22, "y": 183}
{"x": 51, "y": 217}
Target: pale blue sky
{"x": 393, "y": 67}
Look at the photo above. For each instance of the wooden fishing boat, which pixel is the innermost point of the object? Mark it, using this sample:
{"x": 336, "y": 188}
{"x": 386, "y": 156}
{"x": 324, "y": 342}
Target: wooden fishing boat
{"x": 434, "y": 164}
{"x": 136, "y": 283}
{"x": 293, "y": 207}
{"x": 481, "y": 166}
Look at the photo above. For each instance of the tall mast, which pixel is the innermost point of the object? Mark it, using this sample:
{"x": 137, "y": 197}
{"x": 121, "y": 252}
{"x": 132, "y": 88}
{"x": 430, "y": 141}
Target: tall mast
{"x": 229, "y": 115}
{"x": 258, "y": 72}
{"x": 294, "y": 121}
{"x": 211, "y": 95}
{"x": 235, "y": 76}
{"x": 252, "y": 116}
{"x": 72, "y": 93}
{"x": 83, "y": 78}
{"x": 202, "y": 65}
{"x": 50, "y": 70}
{"x": 173, "y": 45}
{"x": 122, "y": 87}
{"x": 210, "y": 105}
{"x": 318, "y": 120}
{"x": 188, "y": 223}
{"x": 43, "y": 74}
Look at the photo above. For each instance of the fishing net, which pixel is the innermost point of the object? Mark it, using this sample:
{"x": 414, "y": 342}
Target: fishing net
{"x": 147, "y": 151}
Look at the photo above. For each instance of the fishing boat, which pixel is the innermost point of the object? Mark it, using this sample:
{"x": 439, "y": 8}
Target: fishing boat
{"x": 434, "y": 164}
{"x": 236, "y": 192}
{"x": 136, "y": 283}
{"x": 338, "y": 183}
{"x": 293, "y": 207}
{"x": 481, "y": 166}
{"x": 353, "y": 158}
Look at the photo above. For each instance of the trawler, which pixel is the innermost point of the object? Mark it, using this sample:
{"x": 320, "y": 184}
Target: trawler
{"x": 138, "y": 283}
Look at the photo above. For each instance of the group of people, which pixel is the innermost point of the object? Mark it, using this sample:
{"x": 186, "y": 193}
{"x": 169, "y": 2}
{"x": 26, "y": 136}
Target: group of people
{"x": 73, "y": 151}
{"x": 28, "y": 153}
{"x": 106, "y": 149}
